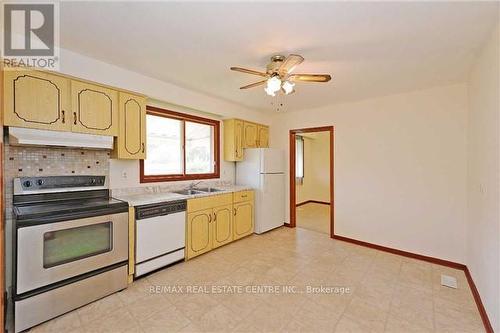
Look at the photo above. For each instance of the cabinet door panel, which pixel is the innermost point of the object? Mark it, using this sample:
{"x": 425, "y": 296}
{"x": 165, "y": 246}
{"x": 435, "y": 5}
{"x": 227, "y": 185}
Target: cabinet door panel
{"x": 263, "y": 137}
{"x": 249, "y": 135}
{"x": 199, "y": 238}
{"x": 131, "y": 140}
{"x": 233, "y": 140}
{"x": 238, "y": 139}
{"x": 222, "y": 225}
{"x": 36, "y": 100}
{"x": 243, "y": 219}
{"x": 95, "y": 109}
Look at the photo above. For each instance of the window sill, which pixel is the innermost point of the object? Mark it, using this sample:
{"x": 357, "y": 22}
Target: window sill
{"x": 173, "y": 178}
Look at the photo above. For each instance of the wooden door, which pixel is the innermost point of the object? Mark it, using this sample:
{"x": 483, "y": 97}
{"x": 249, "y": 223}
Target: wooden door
{"x": 263, "y": 136}
{"x": 36, "y": 100}
{"x": 198, "y": 237}
{"x": 243, "y": 219}
{"x": 222, "y": 226}
{"x": 249, "y": 135}
{"x": 131, "y": 140}
{"x": 95, "y": 109}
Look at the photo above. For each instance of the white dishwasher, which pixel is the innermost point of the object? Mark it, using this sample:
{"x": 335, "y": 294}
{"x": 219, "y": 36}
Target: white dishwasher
{"x": 160, "y": 235}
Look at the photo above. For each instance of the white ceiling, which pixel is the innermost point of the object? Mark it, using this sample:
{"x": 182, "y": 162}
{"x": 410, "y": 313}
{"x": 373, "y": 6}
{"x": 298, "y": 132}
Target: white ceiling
{"x": 372, "y": 49}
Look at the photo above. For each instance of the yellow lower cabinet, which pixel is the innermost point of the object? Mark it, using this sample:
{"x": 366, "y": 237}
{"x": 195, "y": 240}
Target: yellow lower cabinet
{"x": 222, "y": 225}
{"x": 243, "y": 219}
{"x": 199, "y": 233}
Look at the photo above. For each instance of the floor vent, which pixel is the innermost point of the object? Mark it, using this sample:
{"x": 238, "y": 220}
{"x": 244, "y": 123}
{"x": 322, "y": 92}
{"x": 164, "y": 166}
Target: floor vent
{"x": 449, "y": 281}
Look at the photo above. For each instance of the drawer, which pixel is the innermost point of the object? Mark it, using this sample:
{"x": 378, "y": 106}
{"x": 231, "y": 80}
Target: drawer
{"x": 209, "y": 202}
{"x": 243, "y": 196}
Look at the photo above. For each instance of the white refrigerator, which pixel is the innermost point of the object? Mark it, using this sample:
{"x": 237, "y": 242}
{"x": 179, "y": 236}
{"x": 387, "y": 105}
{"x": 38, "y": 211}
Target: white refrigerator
{"x": 264, "y": 170}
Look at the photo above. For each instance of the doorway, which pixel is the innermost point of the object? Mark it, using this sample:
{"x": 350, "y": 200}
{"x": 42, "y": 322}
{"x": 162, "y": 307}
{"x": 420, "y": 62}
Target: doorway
{"x": 311, "y": 179}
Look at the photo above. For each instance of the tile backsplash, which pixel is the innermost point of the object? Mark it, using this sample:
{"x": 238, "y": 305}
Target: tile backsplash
{"x": 47, "y": 161}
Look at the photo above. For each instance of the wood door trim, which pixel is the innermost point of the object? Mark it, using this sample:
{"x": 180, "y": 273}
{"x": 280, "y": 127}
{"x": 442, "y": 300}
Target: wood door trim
{"x": 293, "y": 197}
{"x": 312, "y": 201}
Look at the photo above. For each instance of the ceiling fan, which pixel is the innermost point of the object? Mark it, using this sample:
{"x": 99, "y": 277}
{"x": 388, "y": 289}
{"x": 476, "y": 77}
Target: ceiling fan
{"x": 278, "y": 75}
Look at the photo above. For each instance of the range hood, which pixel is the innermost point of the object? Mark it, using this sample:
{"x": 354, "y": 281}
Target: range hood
{"x": 35, "y": 137}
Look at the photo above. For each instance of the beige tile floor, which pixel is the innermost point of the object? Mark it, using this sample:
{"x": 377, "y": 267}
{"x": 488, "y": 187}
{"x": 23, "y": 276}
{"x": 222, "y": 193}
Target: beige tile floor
{"x": 314, "y": 216}
{"x": 388, "y": 293}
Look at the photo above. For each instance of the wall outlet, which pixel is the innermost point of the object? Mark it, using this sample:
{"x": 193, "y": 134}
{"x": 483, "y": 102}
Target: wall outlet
{"x": 482, "y": 188}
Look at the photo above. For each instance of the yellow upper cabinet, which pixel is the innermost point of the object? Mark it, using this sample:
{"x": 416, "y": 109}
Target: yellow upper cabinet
{"x": 249, "y": 135}
{"x": 263, "y": 136}
{"x": 131, "y": 140}
{"x": 233, "y": 140}
{"x": 239, "y": 134}
{"x": 95, "y": 109}
{"x": 36, "y": 100}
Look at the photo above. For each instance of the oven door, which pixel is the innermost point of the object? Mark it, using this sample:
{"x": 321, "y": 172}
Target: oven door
{"x": 52, "y": 252}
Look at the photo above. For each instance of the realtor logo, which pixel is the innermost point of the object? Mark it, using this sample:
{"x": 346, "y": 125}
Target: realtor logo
{"x": 30, "y": 35}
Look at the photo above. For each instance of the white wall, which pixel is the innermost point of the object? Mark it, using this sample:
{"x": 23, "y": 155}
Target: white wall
{"x": 483, "y": 223}
{"x": 316, "y": 185}
{"x": 124, "y": 174}
{"x": 400, "y": 168}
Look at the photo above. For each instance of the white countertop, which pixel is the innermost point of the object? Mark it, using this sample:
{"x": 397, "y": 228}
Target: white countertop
{"x": 151, "y": 198}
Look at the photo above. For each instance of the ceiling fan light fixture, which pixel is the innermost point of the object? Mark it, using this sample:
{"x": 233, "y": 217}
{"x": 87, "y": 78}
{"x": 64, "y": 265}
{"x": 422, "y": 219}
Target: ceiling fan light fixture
{"x": 288, "y": 87}
{"x": 274, "y": 84}
{"x": 270, "y": 92}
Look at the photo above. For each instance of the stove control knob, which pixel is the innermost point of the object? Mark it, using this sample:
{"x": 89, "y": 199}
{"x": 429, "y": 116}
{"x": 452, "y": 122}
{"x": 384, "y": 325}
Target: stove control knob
{"x": 93, "y": 181}
{"x": 40, "y": 182}
{"x": 28, "y": 183}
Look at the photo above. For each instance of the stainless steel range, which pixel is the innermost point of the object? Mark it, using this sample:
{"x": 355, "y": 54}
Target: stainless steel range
{"x": 70, "y": 245}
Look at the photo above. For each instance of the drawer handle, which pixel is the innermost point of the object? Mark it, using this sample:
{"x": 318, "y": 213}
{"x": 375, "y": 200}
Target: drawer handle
{"x": 244, "y": 196}
{"x": 143, "y": 147}
{"x": 74, "y": 118}
{"x": 63, "y": 116}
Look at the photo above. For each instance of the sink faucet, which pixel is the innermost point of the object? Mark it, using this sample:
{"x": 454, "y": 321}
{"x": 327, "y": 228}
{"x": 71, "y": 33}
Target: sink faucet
{"x": 193, "y": 185}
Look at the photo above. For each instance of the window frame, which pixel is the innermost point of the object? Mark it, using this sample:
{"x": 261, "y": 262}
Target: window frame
{"x": 151, "y": 110}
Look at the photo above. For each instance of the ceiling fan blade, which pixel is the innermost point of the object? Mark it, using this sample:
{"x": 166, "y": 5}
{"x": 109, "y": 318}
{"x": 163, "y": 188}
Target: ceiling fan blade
{"x": 310, "y": 77}
{"x": 256, "y": 84}
{"x": 249, "y": 71}
{"x": 289, "y": 64}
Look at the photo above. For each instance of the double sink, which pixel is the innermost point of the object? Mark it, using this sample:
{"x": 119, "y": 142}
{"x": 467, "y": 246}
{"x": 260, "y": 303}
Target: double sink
{"x": 198, "y": 191}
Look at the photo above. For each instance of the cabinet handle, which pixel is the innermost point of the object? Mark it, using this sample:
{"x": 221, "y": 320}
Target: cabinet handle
{"x": 209, "y": 218}
{"x": 215, "y": 217}
{"x": 63, "y": 116}
{"x": 234, "y": 211}
{"x": 74, "y": 118}
{"x": 143, "y": 147}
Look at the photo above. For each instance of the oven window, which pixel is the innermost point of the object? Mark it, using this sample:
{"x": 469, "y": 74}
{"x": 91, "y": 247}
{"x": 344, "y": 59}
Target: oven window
{"x": 63, "y": 246}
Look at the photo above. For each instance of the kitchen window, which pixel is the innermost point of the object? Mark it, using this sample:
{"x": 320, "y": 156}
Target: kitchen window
{"x": 180, "y": 147}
